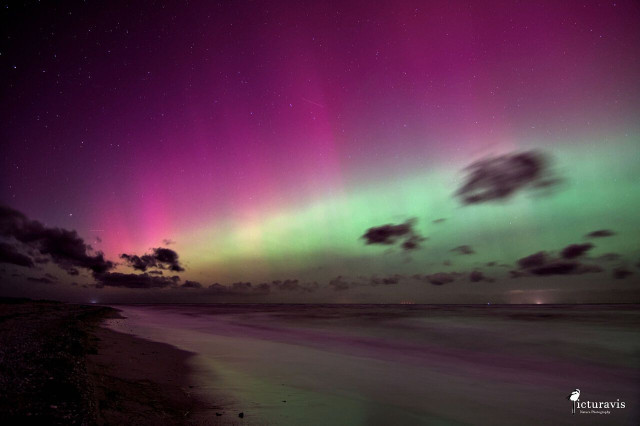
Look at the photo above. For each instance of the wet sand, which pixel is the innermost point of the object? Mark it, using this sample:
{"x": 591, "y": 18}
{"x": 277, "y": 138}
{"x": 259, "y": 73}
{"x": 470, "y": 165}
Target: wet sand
{"x": 382, "y": 365}
{"x": 316, "y": 364}
{"x": 139, "y": 382}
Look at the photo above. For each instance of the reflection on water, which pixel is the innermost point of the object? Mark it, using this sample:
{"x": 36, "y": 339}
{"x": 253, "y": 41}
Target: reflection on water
{"x": 404, "y": 364}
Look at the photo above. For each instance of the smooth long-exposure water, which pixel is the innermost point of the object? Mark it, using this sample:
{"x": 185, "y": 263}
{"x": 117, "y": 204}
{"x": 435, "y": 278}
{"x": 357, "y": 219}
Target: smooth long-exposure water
{"x": 404, "y": 364}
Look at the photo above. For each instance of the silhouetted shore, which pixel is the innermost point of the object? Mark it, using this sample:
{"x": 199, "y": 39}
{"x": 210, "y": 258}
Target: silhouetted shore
{"x": 57, "y": 366}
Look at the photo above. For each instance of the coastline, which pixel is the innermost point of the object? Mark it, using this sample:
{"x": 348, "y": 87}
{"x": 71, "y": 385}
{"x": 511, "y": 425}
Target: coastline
{"x": 403, "y": 364}
{"x": 59, "y": 365}
{"x": 137, "y": 381}
{"x": 64, "y": 364}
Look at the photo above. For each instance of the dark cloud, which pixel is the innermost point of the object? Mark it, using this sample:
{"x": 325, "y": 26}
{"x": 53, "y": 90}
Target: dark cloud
{"x": 565, "y": 268}
{"x": 387, "y": 234}
{"x": 390, "y": 234}
{"x": 139, "y": 263}
{"x": 542, "y": 264}
{"x": 339, "y": 284}
{"x": 621, "y": 273}
{"x": 160, "y": 257}
{"x": 442, "y": 219}
{"x": 285, "y": 285}
{"x": 600, "y": 233}
{"x": 154, "y": 272}
{"x": 413, "y": 242}
{"x": 65, "y": 248}
{"x": 555, "y": 268}
{"x": 518, "y": 273}
{"x": 168, "y": 258}
{"x": 464, "y": 249}
{"x": 532, "y": 261}
{"x": 43, "y": 280}
{"x": 575, "y": 250}
{"x": 499, "y": 178}
{"x": 477, "y": 276}
{"x": 217, "y": 288}
{"x": 142, "y": 281}
{"x": 241, "y": 286}
{"x": 9, "y": 254}
{"x": 293, "y": 285}
{"x": 168, "y": 242}
{"x": 238, "y": 289}
{"x": 390, "y": 280}
{"x": 191, "y": 284}
{"x": 439, "y": 278}
{"x": 248, "y": 289}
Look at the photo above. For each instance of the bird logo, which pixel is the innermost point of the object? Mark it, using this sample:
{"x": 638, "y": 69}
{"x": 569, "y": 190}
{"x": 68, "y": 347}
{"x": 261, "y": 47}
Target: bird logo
{"x": 575, "y": 396}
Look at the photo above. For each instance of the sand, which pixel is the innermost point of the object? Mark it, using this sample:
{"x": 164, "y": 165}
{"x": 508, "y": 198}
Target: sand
{"x": 402, "y": 364}
{"x": 59, "y": 366}
{"x": 314, "y": 364}
{"x": 140, "y": 382}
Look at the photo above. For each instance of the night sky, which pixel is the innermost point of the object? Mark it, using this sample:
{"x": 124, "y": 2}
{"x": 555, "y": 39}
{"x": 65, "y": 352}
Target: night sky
{"x": 421, "y": 152}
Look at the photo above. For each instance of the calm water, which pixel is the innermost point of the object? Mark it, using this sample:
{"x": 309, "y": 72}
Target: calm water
{"x": 404, "y": 364}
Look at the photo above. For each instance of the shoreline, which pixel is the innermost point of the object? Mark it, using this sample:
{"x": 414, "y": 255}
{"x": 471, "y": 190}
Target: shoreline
{"x": 63, "y": 364}
{"x": 138, "y": 381}
{"x": 60, "y": 365}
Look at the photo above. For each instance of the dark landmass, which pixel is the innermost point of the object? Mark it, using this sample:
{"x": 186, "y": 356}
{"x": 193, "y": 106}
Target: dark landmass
{"x": 57, "y": 366}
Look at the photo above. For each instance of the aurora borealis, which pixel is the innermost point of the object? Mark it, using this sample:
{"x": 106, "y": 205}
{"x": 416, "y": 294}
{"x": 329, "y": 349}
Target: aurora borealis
{"x": 260, "y": 142}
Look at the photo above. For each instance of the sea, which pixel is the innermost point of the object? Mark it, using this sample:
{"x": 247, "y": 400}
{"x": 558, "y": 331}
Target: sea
{"x": 323, "y": 364}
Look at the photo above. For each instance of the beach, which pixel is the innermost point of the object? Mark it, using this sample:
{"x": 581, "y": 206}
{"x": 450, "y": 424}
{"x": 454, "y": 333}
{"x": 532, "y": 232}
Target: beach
{"x": 402, "y": 364}
{"x": 59, "y": 367}
{"x": 225, "y": 364}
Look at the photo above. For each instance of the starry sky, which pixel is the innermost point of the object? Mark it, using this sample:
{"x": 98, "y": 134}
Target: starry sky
{"x": 412, "y": 152}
